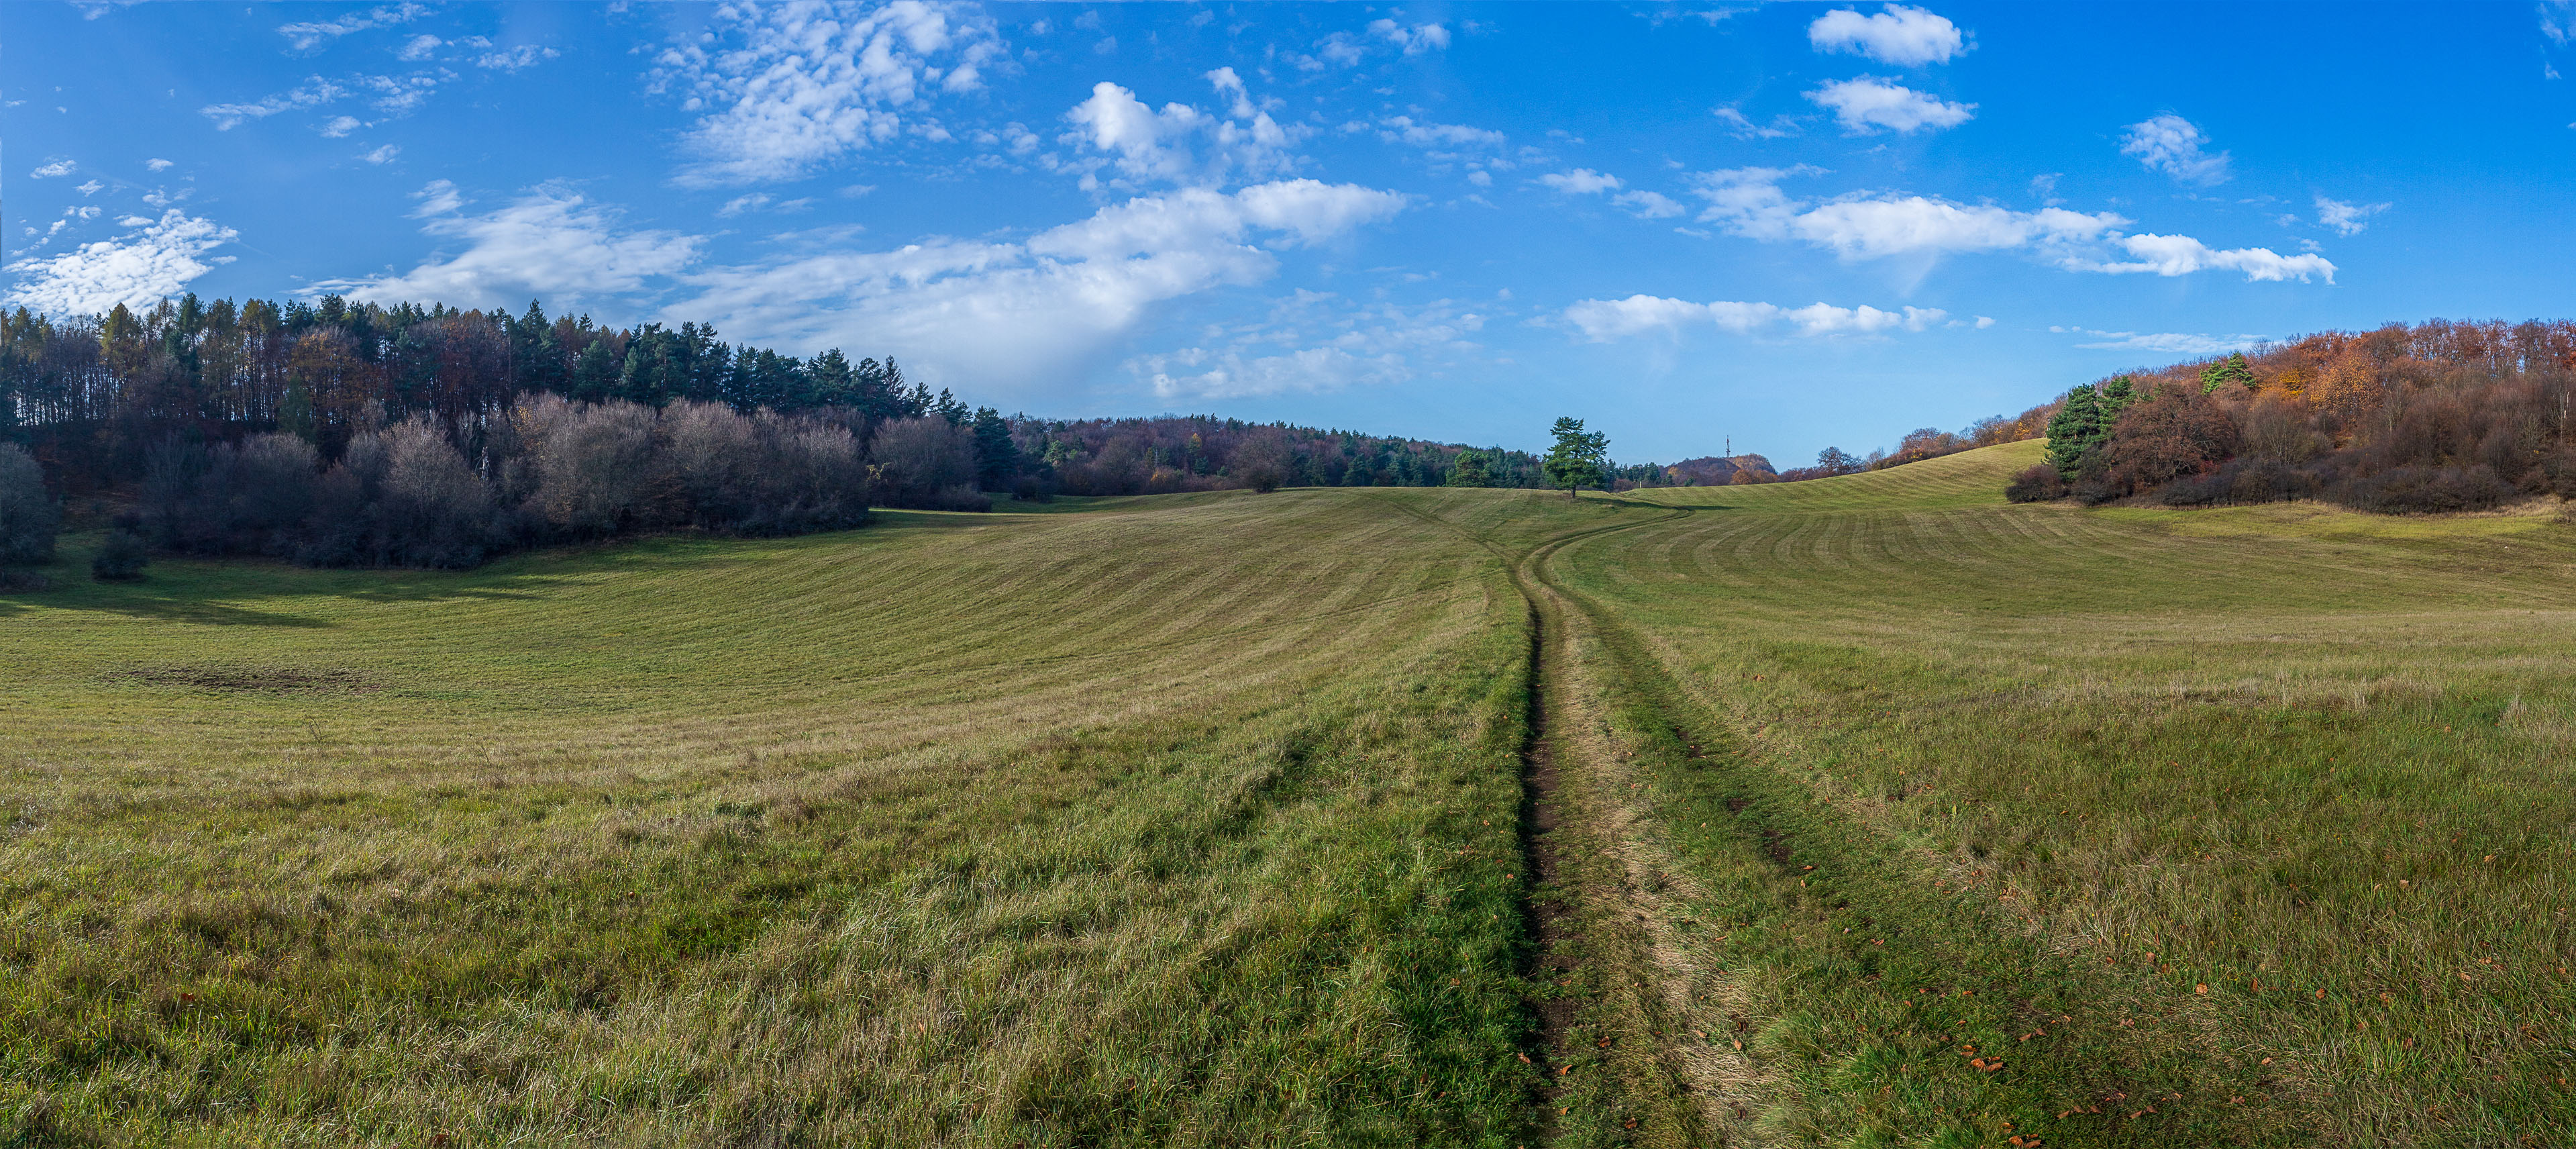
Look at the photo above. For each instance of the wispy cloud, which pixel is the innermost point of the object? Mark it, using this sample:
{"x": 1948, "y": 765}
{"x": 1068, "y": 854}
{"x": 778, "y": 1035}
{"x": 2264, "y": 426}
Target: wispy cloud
{"x": 550, "y": 242}
{"x": 307, "y": 35}
{"x": 2347, "y": 219}
{"x": 2168, "y": 342}
{"x": 1604, "y": 320}
{"x": 785, "y": 91}
{"x": 2175, "y": 146}
{"x": 1580, "y": 181}
{"x": 138, "y": 269}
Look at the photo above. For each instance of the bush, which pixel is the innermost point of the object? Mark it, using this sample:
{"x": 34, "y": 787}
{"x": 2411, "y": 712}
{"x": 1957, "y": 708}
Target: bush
{"x": 122, "y": 557}
{"x": 2427, "y": 490}
{"x": 2178, "y": 432}
{"x": 2038, "y": 483}
{"x": 1028, "y": 489}
{"x": 17, "y": 581}
{"x": 960, "y": 497}
{"x": 404, "y": 497}
{"x": 28, "y": 515}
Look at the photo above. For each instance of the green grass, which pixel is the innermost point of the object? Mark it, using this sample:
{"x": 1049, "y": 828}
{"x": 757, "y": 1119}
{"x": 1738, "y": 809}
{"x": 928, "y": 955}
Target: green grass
{"x": 1200, "y": 819}
{"x": 1065, "y": 829}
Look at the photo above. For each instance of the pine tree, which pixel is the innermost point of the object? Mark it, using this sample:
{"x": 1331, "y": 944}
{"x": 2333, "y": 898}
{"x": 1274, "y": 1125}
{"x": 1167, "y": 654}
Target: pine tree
{"x": 997, "y": 458}
{"x": 2233, "y": 369}
{"x": 1578, "y": 458}
{"x": 1469, "y": 470}
{"x": 2077, "y": 428}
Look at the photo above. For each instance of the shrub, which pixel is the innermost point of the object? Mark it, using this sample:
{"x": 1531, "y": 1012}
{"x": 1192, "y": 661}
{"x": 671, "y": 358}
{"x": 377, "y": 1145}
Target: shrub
{"x": 122, "y": 557}
{"x": 28, "y": 515}
{"x": 2427, "y": 490}
{"x": 402, "y": 496}
{"x": 920, "y": 459}
{"x": 16, "y": 581}
{"x": 1028, "y": 489}
{"x": 959, "y": 497}
{"x": 2037, "y": 483}
{"x": 2178, "y": 432}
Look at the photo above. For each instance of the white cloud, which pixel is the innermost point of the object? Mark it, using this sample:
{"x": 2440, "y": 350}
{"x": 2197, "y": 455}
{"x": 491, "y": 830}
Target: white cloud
{"x": 134, "y": 221}
{"x": 1404, "y": 129}
{"x": 1867, "y": 103}
{"x": 93, "y": 187}
{"x": 339, "y": 126}
{"x": 400, "y": 94}
{"x": 1008, "y": 316}
{"x": 1649, "y": 205}
{"x": 313, "y": 91}
{"x": 1415, "y": 40}
{"x": 1900, "y": 35}
{"x": 1749, "y": 202}
{"x": 1867, "y": 225}
{"x": 787, "y": 90}
{"x": 1602, "y": 320}
{"x": 137, "y": 269}
{"x": 1316, "y": 341}
{"x": 2173, "y": 145}
{"x": 56, "y": 168}
{"x": 2558, "y": 22}
{"x": 2347, "y": 219}
{"x": 383, "y": 155}
{"x": 419, "y": 47}
{"x": 1746, "y": 129}
{"x": 304, "y": 37}
{"x": 1580, "y": 181}
{"x": 1148, "y": 146}
{"x": 514, "y": 58}
{"x": 549, "y": 243}
{"x": 2171, "y": 342}
{"x": 159, "y": 165}
{"x": 2171, "y": 255}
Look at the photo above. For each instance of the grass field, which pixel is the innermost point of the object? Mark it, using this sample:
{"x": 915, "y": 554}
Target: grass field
{"x": 1863, "y": 811}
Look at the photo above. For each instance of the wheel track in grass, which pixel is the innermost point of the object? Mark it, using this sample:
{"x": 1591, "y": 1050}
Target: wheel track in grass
{"x": 1634, "y": 907}
{"x": 1803, "y": 861}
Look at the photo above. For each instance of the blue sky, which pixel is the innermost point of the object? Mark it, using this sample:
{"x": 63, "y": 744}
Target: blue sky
{"x": 1784, "y": 226}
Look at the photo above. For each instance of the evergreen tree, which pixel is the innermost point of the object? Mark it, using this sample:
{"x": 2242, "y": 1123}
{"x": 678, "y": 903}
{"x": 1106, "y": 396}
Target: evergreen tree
{"x": 997, "y": 458}
{"x": 2078, "y": 428}
{"x": 595, "y": 374}
{"x": 2233, "y": 369}
{"x": 1578, "y": 457}
{"x": 1469, "y": 470}
{"x": 828, "y": 381}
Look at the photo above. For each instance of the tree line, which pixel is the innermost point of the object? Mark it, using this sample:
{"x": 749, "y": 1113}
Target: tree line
{"x": 339, "y": 432}
{"x": 2437, "y": 416}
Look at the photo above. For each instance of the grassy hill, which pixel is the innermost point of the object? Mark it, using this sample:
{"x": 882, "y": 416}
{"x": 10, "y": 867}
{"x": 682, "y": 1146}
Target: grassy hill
{"x": 1868, "y": 810}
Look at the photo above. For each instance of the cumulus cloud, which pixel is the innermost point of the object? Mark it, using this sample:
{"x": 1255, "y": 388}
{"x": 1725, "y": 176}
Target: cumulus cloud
{"x": 1603, "y": 320}
{"x": 2347, "y": 219}
{"x": 1866, "y": 104}
{"x": 138, "y": 269}
{"x": 306, "y": 36}
{"x": 419, "y": 47}
{"x": 2171, "y": 255}
{"x": 1415, "y": 40}
{"x": 2173, "y": 145}
{"x": 1006, "y": 316}
{"x": 1749, "y": 202}
{"x": 1316, "y": 341}
{"x": 1879, "y": 225}
{"x": 787, "y": 90}
{"x": 383, "y": 155}
{"x": 339, "y": 126}
{"x": 92, "y": 187}
{"x": 550, "y": 242}
{"x": 159, "y": 165}
{"x": 1180, "y": 144}
{"x": 1580, "y": 181}
{"x": 1900, "y": 35}
{"x": 56, "y": 168}
{"x": 2167, "y": 342}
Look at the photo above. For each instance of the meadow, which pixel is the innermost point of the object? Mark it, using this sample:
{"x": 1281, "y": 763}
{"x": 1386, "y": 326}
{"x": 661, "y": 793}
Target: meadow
{"x": 1859, "y": 811}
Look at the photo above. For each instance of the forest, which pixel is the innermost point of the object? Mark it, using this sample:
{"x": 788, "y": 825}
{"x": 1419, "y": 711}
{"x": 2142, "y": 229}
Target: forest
{"x": 343, "y": 433}
{"x": 2436, "y": 416}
